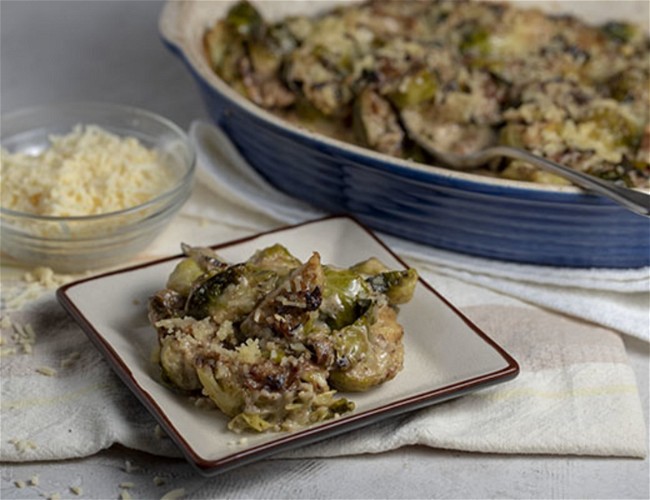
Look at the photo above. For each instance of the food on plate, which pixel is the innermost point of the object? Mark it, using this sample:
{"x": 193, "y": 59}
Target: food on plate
{"x": 464, "y": 74}
{"x": 89, "y": 171}
{"x": 272, "y": 339}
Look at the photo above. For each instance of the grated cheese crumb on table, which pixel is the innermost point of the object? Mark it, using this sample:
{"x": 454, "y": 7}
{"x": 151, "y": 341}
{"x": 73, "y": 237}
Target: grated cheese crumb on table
{"x": 47, "y": 278}
{"x": 23, "y": 445}
{"x": 32, "y": 285}
{"x": 46, "y": 370}
{"x": 173, "y": 494}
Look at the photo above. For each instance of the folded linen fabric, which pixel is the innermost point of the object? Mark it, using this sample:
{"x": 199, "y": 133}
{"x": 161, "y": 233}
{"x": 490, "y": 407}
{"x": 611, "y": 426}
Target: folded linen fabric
{"x": 614, "y": 298}
{"x": 576, "y": 393}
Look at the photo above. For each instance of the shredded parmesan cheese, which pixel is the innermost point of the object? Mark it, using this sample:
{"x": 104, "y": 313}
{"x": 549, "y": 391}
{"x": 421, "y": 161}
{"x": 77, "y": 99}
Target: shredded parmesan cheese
{"x": 32, "y": 285}
{"x": 89, "y": 171}
{"x": 22, "y": 296}
{"x": 250, "y": 352}
{"x": 22, "y": 445}
{"x": 7, "y": 351}
{"x": 173, "y": 494}
{"x": 47, "y": 278}
{"x": 24, "y": 336}
{"x": 46, "y": 370}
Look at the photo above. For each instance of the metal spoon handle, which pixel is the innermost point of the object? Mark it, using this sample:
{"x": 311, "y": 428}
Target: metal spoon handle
{"x": 634, "y": 200}
{"x": 637, "y": 201}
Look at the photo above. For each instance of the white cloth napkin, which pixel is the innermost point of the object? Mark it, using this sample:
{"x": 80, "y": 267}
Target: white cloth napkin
{"x": 615, "y": 298}
{"x": 576, "y": 393}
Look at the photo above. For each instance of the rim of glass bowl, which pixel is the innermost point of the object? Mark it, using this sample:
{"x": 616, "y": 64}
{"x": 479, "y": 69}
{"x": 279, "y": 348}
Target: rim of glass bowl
{"x": 170, "y": 194}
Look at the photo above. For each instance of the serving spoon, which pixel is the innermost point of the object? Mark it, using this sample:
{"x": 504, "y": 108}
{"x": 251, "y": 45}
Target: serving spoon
{"x": 636, "y": 201}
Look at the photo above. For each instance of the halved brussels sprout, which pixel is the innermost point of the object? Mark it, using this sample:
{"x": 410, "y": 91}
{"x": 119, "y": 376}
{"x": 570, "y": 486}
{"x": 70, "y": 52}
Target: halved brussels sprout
{"x": 244, "y": 19}
{"x": 224, "y": 391}
{"x": 266, "y": 339}
{"x": 345, "y": 297}
{"x": 275, "y": 258}
{"x": 614, "y": 126}
{"x": 376, "y": 124}
{"x": 177, "y": 363}
{"x": 186, "y": 272}
{"x": 380, "y": 354}
{"x": 207, "y": 299}
{"x": 620, "y": 31}
{"x": 414, "y": 89}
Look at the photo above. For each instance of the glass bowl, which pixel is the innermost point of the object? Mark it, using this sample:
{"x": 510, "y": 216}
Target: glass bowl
{"x": 82, "y": 243}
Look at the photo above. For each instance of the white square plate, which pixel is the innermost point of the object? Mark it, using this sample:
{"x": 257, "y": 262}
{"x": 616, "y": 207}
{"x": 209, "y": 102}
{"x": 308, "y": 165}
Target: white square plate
{"x": 445, "y": 354}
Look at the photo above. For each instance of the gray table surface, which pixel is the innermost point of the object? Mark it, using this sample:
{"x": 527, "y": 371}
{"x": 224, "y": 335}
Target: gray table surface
{"x": 55, "y": 51}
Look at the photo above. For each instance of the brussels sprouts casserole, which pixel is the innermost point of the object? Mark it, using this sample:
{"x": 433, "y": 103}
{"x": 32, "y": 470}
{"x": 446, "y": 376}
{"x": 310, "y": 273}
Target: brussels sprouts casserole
{"x": 269, "y": 341}
{"x": 464, "y": 74}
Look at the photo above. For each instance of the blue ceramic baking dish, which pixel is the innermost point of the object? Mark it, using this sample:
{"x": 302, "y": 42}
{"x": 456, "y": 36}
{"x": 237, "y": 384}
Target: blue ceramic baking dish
{"x": 494, "y": 218}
